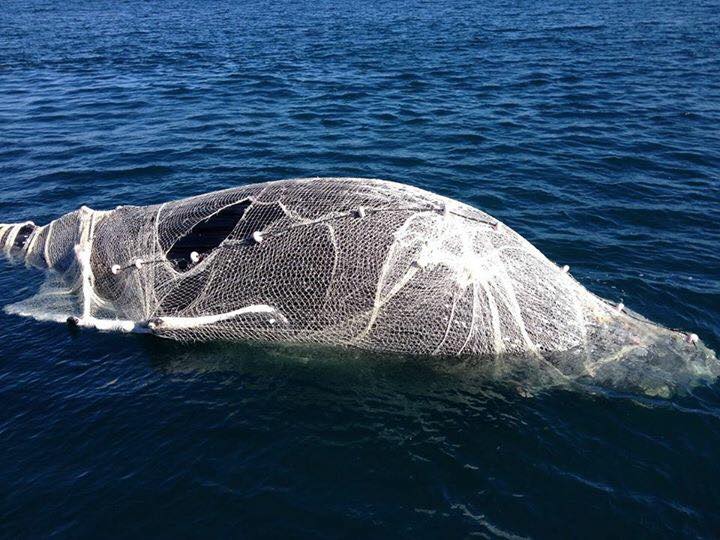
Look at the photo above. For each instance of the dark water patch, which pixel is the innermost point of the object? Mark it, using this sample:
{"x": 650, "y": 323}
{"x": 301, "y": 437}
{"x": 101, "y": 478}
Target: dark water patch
{"x": 695, "y": 158}
{"x": 13, "y": 153}
{"x": 80, "y": 176}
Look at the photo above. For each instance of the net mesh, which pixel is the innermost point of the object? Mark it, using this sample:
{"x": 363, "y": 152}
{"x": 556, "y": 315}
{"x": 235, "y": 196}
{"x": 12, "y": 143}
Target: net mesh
{"x": 356, "y": 262}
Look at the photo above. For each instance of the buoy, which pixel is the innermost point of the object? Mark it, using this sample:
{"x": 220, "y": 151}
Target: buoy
{"x": 257, "y": 236}
{"x": 115, "y": 269}
{"x": 152, "y": 324}
{"x": 195, "y": 256}
{"x": 565, "y": 269}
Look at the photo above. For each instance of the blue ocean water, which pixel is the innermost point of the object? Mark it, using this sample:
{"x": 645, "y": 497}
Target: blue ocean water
{"x": 590, "y": 128}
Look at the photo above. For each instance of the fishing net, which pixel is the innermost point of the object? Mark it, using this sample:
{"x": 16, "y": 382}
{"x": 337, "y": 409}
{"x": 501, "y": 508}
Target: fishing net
{"x": 355, "y": 262}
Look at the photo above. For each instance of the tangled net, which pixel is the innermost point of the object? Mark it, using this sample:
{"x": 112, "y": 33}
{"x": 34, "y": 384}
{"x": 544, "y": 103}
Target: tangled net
{"x": 353, "y": 262}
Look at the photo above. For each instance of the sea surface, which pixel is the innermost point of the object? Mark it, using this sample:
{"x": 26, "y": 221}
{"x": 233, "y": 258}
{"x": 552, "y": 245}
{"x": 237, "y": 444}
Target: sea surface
{"x": 592, "y": 128}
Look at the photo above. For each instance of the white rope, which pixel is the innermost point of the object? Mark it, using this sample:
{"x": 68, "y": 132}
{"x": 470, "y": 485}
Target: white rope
{"x": 179, "y": 323}
{"x": 83, "y": 251}
{"x": 33, "y": 239}
{"x": 46, "y": 248}
{"x": 169, "y": 323}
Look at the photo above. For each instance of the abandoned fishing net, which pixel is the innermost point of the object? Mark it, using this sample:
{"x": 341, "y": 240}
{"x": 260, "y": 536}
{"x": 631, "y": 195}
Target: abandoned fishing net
{"x": 345, "y": 262}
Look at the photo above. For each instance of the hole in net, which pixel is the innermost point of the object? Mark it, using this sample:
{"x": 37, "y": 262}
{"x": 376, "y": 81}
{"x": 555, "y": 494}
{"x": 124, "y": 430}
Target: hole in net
{"x": 207, "y": 234}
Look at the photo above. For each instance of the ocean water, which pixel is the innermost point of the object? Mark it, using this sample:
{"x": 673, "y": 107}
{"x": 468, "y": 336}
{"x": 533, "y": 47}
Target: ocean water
{"x": 590, "y": 128}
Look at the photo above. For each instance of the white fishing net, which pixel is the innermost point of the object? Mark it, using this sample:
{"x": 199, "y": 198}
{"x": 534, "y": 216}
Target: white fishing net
{"x": 354, "y": 262}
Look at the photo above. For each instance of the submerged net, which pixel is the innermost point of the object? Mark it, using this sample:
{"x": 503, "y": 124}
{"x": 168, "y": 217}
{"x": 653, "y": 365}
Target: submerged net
{"x": 355, "y": 262}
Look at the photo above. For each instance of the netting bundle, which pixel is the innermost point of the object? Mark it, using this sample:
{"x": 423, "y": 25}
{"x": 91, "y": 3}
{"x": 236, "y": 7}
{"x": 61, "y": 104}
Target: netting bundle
{"x": 351, "y": 262}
